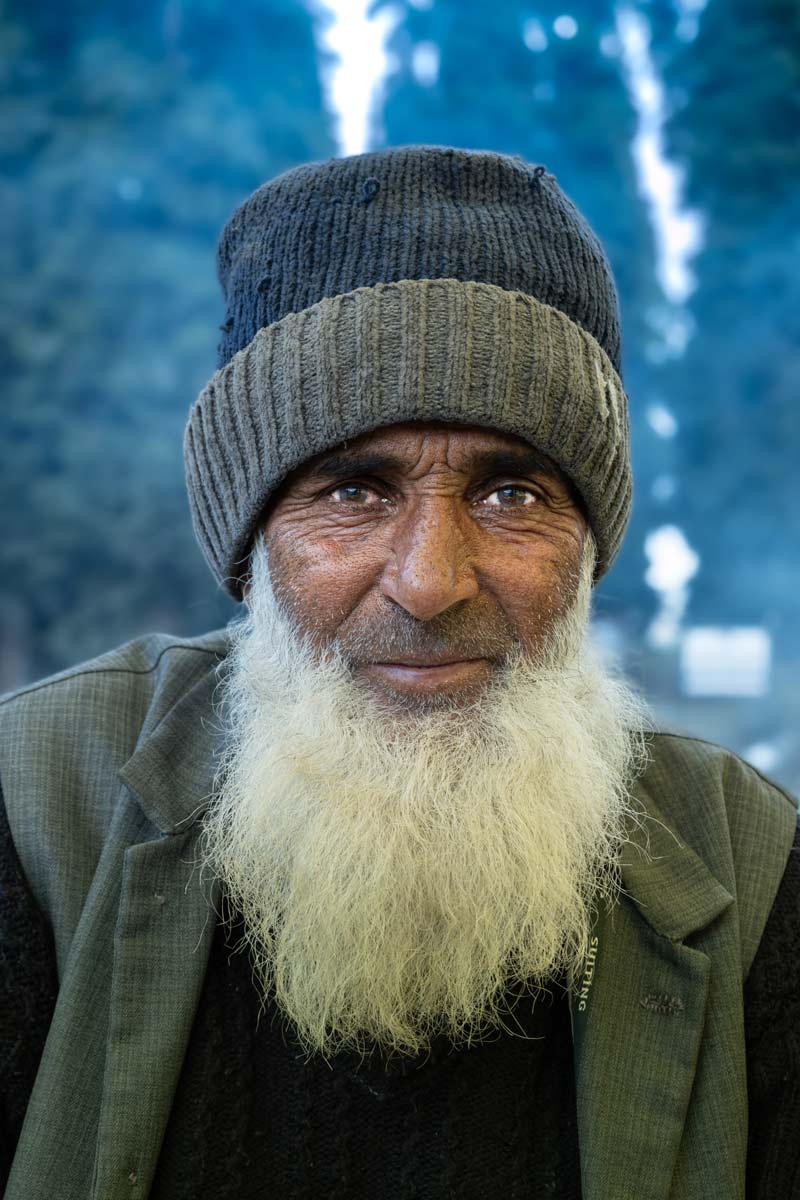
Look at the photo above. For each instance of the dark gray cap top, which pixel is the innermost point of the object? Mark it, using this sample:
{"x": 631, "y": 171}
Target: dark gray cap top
{"x": 411, "y": 283}
{"x": 411, "y": 212}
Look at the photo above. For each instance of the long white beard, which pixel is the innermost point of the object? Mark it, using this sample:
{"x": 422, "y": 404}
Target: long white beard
{"x": 396, "y": 877}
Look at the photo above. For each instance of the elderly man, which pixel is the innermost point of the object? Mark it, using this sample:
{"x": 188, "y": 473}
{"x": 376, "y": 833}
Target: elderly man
{"x": 391, "y": 889}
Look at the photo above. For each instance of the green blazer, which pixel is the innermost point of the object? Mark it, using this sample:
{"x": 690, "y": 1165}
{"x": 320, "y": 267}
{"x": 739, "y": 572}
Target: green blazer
{"x": 107, "y": 769}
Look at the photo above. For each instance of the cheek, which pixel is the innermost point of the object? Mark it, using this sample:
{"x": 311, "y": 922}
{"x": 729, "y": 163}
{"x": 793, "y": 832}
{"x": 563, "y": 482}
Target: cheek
{"x": 534, "y": 587}
{"x": 319, "y": 581}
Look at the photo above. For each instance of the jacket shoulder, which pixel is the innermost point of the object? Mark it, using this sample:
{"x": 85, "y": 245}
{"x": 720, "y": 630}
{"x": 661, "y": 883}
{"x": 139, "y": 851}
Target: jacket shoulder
{"x": 64, "y": 739}
{"x": 141, "y": 664}
{"x": 740, "y": 822}
{"x": 679, "y": 762}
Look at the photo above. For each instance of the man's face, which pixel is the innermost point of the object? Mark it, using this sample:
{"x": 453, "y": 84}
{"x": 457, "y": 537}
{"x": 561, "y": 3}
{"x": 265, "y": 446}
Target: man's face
{"x": 427, "y": 552}
{"x": 425, "y": 783}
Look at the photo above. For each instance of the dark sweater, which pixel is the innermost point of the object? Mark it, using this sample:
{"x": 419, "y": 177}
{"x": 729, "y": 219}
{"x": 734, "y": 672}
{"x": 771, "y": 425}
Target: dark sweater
{"x": 495, "y": 1120}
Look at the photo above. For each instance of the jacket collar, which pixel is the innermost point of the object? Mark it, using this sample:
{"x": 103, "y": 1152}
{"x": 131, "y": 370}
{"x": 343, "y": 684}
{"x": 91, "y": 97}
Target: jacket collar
{"x": 670, "y": 885}
{"x": 635, "y": 1064}
{"x": 639, "y": 1011}
{"x": 172, "y": 774}
{"x": 172, "y": 769}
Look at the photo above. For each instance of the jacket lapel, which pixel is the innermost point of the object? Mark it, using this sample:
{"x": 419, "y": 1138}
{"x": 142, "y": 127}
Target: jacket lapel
{"x": 163, "y": 937}
{"x": 638, "y": 1017}
{"x": 638, "y": 1014}
{"x": 131, "y": 981}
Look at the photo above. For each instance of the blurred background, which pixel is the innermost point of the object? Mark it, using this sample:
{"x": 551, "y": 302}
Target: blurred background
{"x": 129, "y": 131}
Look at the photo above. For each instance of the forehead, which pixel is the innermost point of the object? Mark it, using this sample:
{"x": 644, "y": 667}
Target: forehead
{"x": 416, "y": 443}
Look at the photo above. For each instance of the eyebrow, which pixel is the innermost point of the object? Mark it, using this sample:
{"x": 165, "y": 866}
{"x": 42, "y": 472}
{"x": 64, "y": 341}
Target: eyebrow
{"x": 484, "y": 462}
{"x": 513, "y": 462}
{"x": 337, "y": 466}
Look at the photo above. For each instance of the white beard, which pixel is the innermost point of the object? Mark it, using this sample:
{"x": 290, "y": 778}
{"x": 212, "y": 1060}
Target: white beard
{"x": 395, "y": 874}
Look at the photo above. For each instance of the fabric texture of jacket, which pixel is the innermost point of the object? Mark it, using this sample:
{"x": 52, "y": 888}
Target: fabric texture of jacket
{"x": 106, "y": 771}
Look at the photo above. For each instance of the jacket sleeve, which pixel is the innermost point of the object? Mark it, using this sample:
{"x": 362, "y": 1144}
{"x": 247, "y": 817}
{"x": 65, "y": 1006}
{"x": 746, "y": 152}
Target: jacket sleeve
{"x": 28, "y": 989}
{"x": 772, "y": 1035}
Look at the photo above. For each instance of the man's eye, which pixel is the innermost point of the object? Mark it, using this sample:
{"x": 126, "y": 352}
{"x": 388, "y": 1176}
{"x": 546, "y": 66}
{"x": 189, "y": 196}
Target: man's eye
{"x": 353, "y": 493}
{"x": 511, "y": 496}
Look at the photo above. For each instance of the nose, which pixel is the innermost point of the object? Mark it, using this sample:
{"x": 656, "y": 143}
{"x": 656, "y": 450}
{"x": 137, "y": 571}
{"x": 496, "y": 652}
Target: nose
{"x": 430, "y": 569}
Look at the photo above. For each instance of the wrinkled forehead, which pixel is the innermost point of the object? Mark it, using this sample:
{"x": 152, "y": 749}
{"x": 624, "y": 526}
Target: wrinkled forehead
{"x": 461, "y": 445}
{"x": 415, "y": 448}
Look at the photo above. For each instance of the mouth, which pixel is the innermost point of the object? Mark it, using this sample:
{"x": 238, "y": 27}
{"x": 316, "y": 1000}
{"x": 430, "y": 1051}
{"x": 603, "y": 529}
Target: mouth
{"x": 433, "y": 674}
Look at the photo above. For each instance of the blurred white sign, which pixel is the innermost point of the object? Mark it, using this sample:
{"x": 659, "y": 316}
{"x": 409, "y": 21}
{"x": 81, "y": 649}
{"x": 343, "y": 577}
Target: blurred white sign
{"x": 725, "y": 662}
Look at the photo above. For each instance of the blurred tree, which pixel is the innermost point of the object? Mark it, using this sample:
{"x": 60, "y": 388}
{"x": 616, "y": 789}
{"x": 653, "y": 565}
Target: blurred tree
{"x": 122, "y": 161}
{"x": 736, "y": 388}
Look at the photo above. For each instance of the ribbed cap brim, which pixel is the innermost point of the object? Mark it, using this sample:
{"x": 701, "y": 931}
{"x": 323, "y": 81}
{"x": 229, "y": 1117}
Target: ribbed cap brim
{"x": 415, "y": 349}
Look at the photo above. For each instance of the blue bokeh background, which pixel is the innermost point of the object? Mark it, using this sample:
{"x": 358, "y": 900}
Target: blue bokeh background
{"x": 130, "y": 131}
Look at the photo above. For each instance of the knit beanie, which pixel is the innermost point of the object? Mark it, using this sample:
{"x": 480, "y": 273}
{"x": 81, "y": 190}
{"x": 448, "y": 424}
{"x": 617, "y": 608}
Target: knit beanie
{"x": 414, "y": 283}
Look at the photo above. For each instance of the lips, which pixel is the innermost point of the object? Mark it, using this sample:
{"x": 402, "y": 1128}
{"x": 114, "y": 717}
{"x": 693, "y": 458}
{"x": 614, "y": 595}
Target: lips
{"x": 424, "y": 663}
{"x": 430, "y": 676}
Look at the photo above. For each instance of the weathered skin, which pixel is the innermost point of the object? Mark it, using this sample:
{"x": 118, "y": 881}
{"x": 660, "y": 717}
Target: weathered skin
{"x": 424, "y": 556}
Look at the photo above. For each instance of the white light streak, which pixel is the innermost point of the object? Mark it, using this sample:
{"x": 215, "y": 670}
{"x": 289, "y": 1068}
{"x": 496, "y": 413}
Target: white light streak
{"x": 677, "y": 231}
{"x": 353, "y": 81}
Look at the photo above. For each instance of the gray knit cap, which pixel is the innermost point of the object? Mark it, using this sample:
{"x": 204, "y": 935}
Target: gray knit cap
{"x": 412, "y": 283}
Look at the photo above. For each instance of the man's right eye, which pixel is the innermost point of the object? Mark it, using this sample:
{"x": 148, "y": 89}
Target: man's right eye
{"x": 355, "y": 493}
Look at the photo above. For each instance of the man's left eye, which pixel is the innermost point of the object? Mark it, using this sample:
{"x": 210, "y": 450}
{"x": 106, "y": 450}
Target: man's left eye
{"x": 353, "y": 493}
{"x": 511, "y": 497}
